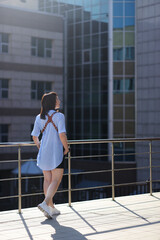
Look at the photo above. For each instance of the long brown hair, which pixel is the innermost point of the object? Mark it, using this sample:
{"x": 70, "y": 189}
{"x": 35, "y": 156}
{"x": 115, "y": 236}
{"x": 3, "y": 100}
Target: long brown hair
{"x": 48, "y": 102}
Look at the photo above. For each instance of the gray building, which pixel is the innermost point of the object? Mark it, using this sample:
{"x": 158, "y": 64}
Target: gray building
{"x": 31, "y": 63}
{"x": 147, "y": 80}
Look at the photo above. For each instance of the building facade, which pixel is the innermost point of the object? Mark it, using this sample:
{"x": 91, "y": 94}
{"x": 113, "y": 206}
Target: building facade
{"x": 148, "y": 81}
{"x": 99, "y": 69}
{"x": 31, "y": 63}
{"x": 98, "y": 65}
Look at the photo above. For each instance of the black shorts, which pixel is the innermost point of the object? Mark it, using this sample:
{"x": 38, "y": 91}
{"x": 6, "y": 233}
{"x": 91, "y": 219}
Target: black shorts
{"x": 61, "y": 165}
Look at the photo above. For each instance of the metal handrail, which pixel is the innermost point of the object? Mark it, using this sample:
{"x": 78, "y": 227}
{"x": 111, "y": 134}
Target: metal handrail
{"x": 19, "y": 145}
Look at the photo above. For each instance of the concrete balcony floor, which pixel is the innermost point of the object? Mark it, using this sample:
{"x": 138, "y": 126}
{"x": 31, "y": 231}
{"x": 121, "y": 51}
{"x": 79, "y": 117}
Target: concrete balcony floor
{"x": 130, "y": 217}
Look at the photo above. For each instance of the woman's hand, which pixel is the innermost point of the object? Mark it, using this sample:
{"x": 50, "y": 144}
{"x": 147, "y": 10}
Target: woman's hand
{"x": 36, "y": 141}
{"x": 66, "y": 151}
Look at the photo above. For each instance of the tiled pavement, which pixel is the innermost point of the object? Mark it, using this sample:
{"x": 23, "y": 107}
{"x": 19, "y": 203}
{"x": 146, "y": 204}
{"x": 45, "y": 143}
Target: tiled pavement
{"x": 130, "y": 218}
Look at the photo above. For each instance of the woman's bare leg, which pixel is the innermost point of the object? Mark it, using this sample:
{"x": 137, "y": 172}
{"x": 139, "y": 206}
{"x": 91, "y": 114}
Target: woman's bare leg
{"x": 57, "y": 175}
{"x": 46, "y": 183}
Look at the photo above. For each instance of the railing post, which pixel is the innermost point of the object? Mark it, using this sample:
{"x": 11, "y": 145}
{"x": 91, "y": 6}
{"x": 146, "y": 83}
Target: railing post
{"x": 150, "y": 167}
{"x": 19, "y": 181}
{"x": 113, "y": 187}
{"x": 69, "y": 179}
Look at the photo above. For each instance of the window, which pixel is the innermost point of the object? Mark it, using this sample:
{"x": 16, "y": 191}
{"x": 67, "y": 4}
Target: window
{"x": 129, "y": 53}
{"x": 129, "y": 84}
{"x": 4, "y": 42}
{"x": 118, "y": 9}
{"x": 41, "y": 47}
{"x": 38, "y": 88}
{"x": 118, "y": 85}
{"x": 3, "y": 132}
{"x": 118, "y": 23}
{"x": 41, "y": 5}
{"x": 86, "y": 56}
{"x": 4, "y": 88}
{"x": 129, "y": 9}
{"x": 117, "y": 54}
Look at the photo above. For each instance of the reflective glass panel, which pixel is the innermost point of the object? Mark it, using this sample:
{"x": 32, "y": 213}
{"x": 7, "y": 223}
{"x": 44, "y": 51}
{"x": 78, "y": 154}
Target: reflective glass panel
{"x": 104, "y": 54}
{"x": 95, "y": 26}
{"x": 129, "y": 9}
{"x": 129, "y": 84}
{"x": 104, "y": 39}
{"x": 104, "y": 9}
{"x": 118, "y": 85}
{"x": 95, "y": 55}
{"x": 129, "y": 53}
{"x": 5, "y": 37}
{"x": 104, "y": 26}
{"x": 87, "y": 28}
{"x": 95, "y": 40}
{"x": 117, "y": 54}
{"x": 96, "y": 10}
{"x": 129, "y": 23}
{"x": 87, "y": 42}
{"x": 118, "y": 23}
{"x": 129, "y": 38}
{"x": 118, "y": 112}
{"x": 118, "y": 38}
{"x": 118, "y": 9}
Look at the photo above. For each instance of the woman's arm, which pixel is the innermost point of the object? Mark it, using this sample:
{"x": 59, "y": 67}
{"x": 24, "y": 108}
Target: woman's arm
{"x": 36, "y": 141}
{"x": 63, "y": 139}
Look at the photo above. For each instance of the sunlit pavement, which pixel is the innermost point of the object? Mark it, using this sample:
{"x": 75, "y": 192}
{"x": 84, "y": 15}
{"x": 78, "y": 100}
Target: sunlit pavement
{"x": 131, "y": 217}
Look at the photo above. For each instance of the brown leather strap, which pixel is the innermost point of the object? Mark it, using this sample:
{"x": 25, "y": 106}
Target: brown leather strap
{"x": 50, "y": 121}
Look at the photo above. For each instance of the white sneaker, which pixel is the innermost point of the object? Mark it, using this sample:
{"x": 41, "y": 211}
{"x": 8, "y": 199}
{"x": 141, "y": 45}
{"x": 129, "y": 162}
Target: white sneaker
{"x": 45, "y": 209}
{"x": 54, "y": 211}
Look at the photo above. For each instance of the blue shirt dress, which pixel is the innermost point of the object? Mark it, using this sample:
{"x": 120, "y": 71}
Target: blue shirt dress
{"x": 50, "y": 154}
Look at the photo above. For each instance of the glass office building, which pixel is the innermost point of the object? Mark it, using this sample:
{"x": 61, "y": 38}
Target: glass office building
{"x": 99, "y": 78}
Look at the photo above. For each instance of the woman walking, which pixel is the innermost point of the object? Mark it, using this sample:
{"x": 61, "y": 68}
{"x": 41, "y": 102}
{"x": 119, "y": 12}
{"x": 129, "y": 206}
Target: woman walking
{"x": 52, "y": 149}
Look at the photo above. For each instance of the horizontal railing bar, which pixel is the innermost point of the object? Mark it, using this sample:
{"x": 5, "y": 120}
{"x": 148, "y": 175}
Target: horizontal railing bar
{"x": 17, "y": 144}
{"x": 107, "y": 186}
{"x": 109, "y": 155}
{"x": 88, "y": 172}
{"x": 15, "y": 196}
{"x": 138, "y": 153}
{"x": 109, "y": 170}
{"x": 41, "y": 193}
{"x": 89, "y": 156}
{"x": 134, "y": 183}
{"x": 116, "y": 140}
{"x": 158, "y": 166}
{"x": 71, "y": 142}
{"x": 129, "y": 154}
{"x": 8, "y": 179}
{"x": 30, "y": 194}
{"x": 89, "y": 188}
{"x": 8, "y": 161}
{"x": 33, "y": 177}
{"x": 28, "y": 160}
{"x": 126, "y": 169}
{"x": 155, "y": 180}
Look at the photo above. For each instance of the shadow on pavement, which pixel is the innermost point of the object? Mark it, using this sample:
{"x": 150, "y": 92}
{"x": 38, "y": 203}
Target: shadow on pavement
{"x": 61, "y": 231}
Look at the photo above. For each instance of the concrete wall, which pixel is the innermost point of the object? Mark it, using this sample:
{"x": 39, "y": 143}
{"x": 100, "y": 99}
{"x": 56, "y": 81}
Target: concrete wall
{"x": 27, "y": 4}
{"x": 20, "y": 67}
